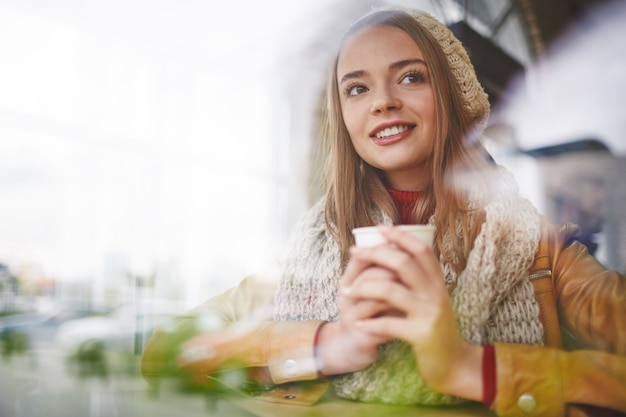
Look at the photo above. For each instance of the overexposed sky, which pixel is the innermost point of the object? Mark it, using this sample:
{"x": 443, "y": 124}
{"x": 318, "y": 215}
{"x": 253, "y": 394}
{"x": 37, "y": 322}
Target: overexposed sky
{"x": 139, "y": 137}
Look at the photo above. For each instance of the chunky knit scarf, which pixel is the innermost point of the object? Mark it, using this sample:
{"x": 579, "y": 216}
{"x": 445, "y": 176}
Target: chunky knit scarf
{"x": 493, "y": 299}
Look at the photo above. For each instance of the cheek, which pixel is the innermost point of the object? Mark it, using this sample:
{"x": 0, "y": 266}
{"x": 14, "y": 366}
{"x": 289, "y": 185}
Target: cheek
{"x": 426, "y": 106}
{"x": 351, "y": 122}
{"x": 354, "y": 127}
{"x": 432, "y": 110}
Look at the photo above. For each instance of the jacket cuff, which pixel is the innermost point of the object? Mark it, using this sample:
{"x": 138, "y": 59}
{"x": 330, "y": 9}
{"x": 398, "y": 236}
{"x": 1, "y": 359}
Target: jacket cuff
{"x": 290, "y": 355}
{"x": 489, "y": 374}
{"x": 529, "y": 381}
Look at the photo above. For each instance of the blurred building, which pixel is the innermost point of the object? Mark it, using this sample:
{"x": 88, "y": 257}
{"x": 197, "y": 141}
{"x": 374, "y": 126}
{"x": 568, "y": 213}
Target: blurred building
{"x": 8, "y": 290}
{"x": 583, "y": 183}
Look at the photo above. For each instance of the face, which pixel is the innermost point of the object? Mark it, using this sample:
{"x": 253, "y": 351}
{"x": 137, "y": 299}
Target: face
{"x": 388, "y": 104}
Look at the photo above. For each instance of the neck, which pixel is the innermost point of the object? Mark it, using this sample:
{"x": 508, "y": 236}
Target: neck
{"x": 408, "y": 180}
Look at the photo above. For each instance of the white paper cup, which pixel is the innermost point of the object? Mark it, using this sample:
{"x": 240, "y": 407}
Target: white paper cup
{"x": 370, "y": 236}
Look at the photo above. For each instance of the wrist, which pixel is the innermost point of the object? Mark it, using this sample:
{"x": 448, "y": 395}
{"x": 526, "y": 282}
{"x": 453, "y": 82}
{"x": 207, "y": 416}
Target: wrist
{"x": 316, "y": 354}
{"x": 467, "y": 377}
{"x": 462, "y": 377}
{"x": 326, "y": 355}
{"x": 338, "y": 352}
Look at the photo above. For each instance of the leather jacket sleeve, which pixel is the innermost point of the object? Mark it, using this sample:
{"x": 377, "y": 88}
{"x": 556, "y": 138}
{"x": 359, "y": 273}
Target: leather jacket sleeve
{"x": 591, "y": 305}
{"x": 240, "y": 318}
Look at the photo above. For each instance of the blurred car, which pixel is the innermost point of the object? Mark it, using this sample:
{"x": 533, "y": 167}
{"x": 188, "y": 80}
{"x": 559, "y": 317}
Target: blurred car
{"x": 113, "y": 341}
{"x": 22, "y": 332}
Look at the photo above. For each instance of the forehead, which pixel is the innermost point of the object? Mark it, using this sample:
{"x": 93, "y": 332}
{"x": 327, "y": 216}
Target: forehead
{"x": 376, "y": 46}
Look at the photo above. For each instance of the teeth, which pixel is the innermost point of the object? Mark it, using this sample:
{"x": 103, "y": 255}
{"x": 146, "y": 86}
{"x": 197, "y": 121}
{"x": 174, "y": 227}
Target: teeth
{"x": 391, "y": 131}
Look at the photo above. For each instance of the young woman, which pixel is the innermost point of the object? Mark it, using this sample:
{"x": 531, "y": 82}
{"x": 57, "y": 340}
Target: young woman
{"x": 481, "y": 317}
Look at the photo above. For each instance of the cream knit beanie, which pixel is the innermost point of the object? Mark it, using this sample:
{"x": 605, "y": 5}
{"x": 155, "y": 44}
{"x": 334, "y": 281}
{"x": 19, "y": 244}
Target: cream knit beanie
{"x": 475, "y": 99}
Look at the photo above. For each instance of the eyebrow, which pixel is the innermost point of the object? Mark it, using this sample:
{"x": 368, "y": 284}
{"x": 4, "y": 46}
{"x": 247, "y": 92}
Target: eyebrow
{"x": 394, "y": 66}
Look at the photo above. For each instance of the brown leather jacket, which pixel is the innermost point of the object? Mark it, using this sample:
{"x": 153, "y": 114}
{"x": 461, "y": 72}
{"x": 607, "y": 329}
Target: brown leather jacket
{"x": 580, "y": 371}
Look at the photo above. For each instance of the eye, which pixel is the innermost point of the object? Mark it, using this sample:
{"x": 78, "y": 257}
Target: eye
{"x": 355, "y": 89}
{"x": 414, "y": 77}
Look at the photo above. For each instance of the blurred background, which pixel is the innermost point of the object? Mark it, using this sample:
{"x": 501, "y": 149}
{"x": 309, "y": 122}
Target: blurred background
{"x": 154, "y": 153}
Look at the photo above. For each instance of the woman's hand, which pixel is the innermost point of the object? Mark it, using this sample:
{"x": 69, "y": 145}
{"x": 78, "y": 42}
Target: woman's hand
{"x": 426, "y": 320}
{"x": 343, "y": 346}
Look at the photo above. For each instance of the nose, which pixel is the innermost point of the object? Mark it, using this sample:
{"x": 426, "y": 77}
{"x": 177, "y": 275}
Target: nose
{"x": 385, "y": 103}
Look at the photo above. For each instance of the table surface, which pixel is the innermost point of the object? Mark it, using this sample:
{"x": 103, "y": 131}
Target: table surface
{"x": 343, "y": 408}
{"x": 39, "y": 385}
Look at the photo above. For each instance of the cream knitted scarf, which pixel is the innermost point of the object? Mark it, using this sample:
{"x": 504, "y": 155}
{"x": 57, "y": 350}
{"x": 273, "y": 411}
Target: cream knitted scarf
{"x": 493, "y": 299}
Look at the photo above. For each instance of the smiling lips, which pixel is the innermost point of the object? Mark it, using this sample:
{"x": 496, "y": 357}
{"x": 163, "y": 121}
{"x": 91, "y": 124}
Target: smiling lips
{"x": 391, "y": 134}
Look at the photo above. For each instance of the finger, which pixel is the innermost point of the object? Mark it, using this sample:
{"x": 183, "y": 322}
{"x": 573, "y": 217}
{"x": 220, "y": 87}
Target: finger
{"x": 389, "y": 327}
{"x": 414, "y": 246}
{"x": 352, "y": 309}
{"x": 353, "y": 270}
{"x": 393, "y": 295}
{"x": 402, "y": 264}
{"x": 369, "y": 274}
{"x": 375, "y": 273}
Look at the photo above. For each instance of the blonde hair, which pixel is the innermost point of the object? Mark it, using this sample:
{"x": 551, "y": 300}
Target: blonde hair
{"x": 355, "y": 190}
